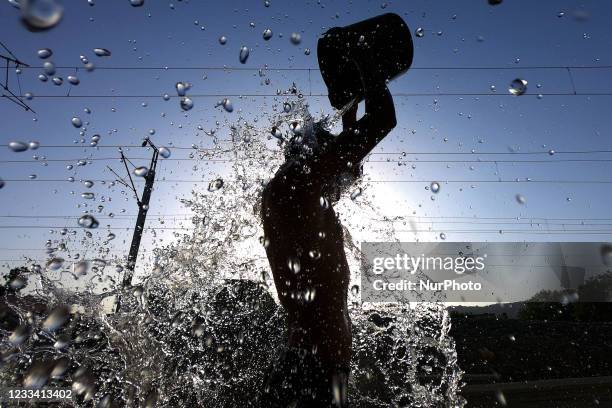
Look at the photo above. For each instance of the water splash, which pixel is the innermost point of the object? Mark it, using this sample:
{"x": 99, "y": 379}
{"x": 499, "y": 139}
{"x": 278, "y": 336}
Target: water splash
{"x": 203, "y": 327}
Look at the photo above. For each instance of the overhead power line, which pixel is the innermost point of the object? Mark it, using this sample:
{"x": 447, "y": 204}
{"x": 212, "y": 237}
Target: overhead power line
{"x": 407, "y": 152}
{"x": 35, "y": 161}
{"x": 366, "y": 181}
{"x": 266, "y": 95}
{"x": 306, "y": 69}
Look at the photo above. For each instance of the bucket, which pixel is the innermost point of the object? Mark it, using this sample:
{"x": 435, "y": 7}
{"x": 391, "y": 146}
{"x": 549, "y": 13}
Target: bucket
{"x": 382, "y": 43}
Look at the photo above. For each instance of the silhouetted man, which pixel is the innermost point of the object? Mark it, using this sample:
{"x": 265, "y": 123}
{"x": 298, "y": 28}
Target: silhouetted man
{"x": 305, "y": 248}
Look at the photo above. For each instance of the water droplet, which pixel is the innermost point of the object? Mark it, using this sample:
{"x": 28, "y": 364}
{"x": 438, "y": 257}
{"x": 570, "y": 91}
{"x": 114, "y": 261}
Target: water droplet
{"x": 296, "y": 38}
{"x": 44, "y": 53}
{"x": 55, "y": 263}
{"x": 43, "y": 78}
{"x": 286, "y": 107}
{"x": 223, "y": 40}
{"x": 442, "y": 236}
{"x": 41, "y": 14}
{"x": 215, "y": 185}
{"x": 186, "y": 103}
{"x": 294, "y": 265}
{"x": 19, "y": 335}
{"x": 244, "y": 54}
{"x": 73, "y": 80}
{"x": 227, "y": 105}
{"x": 164, "y": 152}
{"x": 86, "y": 195}
{"x": 435, "y": 187}
{"x": 2, "y": 183}
{"x": 520, "y": 199}
{"x": 324, "y": 203}
{"x": 77, "y": 122}
{"x": 356, "y": 193}
{"x": 80, "y": 268}
{"x": 419, "y": 32}
{"x": 29, "y": 96}
{"x": 88, "y": 183}
{"x": 355, "y": 290}
{"x": 49, "y": 67}
{"x": 606, "y": 254}
{"x": 57, "y": 81}
{"x": 141, "y": 171}
{"x": 88, "y": 221}
{"x": 18, "y": 146}
{"x": 102, "y": 52}
{"x": 57, "y": 318}
{"x": 551, "y": 152}
{"x": 182, "y": 88}
{"x": 136, "y": 3}
{"x": 110, "y": 236}
{"x": 518, "y": 87}
{"x": 267, "y": 34}
{"x": 314, "y": 254}
{"x": 560, "y": 14}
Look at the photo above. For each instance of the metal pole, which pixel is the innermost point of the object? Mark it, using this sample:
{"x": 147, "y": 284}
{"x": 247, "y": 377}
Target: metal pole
{"x": 143, "y": 207}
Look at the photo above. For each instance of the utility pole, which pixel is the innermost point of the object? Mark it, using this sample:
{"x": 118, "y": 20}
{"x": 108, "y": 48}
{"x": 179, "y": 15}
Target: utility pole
{"x": 143, "y": 207}
{"x": 8, "y": 94}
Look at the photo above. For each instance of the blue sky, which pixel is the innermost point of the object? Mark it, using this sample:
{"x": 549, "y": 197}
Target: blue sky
{"x": 515, "y": 36}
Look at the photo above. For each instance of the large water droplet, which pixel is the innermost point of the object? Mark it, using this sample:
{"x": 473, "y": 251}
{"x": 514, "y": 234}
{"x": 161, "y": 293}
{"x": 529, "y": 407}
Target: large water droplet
{"x": 186, "y": 103}
{"x": 49, "y": 68}
{"x": 80, "y": 268}
{"x": 435, "y": 187}
{"x": 314, "y": 254}
{"x": 227, "y": 105}
{"x": 44, "y": 53}
{"x": 356, "y": 193}
{"x": 182, "y": 88}
{"x": 57, "y": 81}
{"x": 17, "y": 146}
{"x": 88, "y": 196}
{"x": 57, "y": 318}
{"x": 296, "y": 38}
{"x": 223, "y": 40}
{"x": 88, "y": 221}
{"x": 606, "y": 254}
{"x": 294, "y": 265}
{"x": 164, "y": 152}
{"x": 102, "y": 52}
{"x": 41, "y": 14}
{"x": 267, "y": 34}
{"x": 77, "y": 122}
{"x": 518, "y": 87}
{"x": 141, "y": 171}
{"x": 244, "y": 54}
{"x": 215, "y": 185}
{"x": 419, "y": 32}
{"x": 88, "y": 183}
{"x": 73, "y": 79}
{"x": 55, "y": 263}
